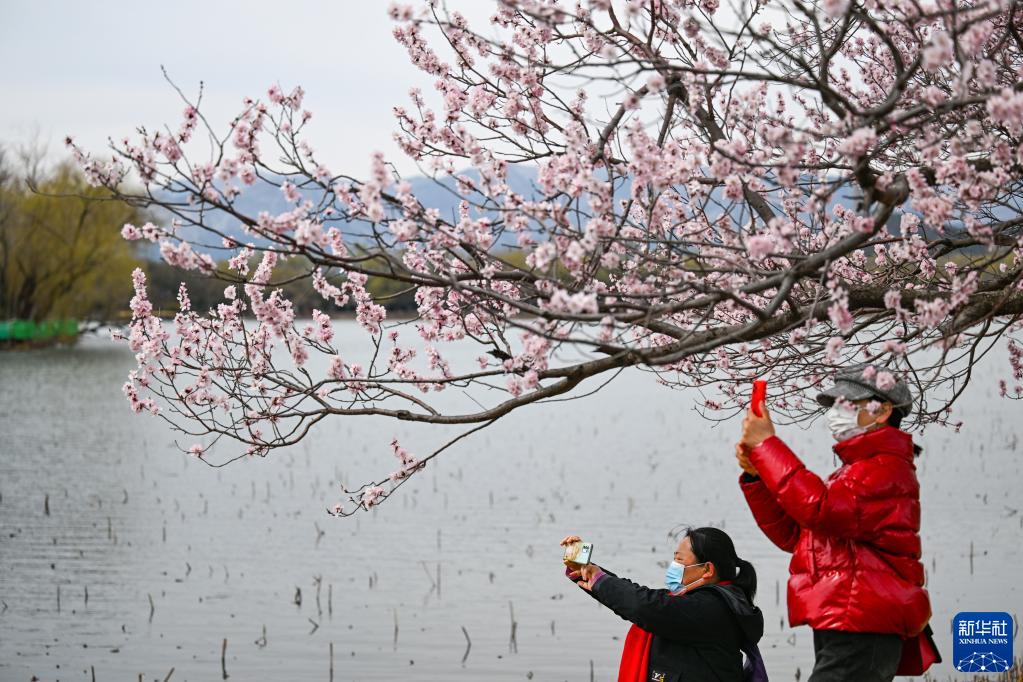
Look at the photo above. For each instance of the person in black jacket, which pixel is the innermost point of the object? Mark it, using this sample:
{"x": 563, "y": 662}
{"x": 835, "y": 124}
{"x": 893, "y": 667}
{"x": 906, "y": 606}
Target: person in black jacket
{"x": 695, "y": 630}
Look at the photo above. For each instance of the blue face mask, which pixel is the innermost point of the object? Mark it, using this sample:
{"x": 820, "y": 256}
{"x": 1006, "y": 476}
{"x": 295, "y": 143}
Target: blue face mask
{"x": 673, "y": 576}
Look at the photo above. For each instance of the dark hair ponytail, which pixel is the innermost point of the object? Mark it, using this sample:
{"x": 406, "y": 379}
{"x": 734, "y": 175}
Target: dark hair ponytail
{"x": 714, "y": 545}
{"x": 745, "y": 578}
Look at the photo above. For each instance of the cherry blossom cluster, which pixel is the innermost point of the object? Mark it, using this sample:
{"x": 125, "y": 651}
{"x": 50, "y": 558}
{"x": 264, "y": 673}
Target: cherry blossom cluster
{"x": 773, "y": 192}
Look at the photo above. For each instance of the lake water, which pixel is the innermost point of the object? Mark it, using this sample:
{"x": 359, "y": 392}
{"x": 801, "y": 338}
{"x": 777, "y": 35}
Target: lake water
{"x": 471, "y": 543}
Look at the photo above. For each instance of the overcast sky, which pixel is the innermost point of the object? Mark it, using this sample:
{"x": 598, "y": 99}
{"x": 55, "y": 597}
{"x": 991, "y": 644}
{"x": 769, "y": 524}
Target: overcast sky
{"x": 92, "y": 69}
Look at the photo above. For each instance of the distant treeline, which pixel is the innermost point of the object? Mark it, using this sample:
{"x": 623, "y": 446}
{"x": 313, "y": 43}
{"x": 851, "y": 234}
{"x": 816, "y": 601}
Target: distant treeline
{"x": 206, "y": 292}
{"x": 62, "y": 256}
{"x": 61, "y": 252}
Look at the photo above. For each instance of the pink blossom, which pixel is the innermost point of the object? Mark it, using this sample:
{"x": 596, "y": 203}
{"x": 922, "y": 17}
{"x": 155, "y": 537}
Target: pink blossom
{"x": 140, "y": 305}
{"x": 542, "y": 256}
{"x": 336, "y": 370}
{"x": 1007, "y": 108}
{"x": 403, "y": 230}
{"x": 327, "y": 290}
{"x": 733, "y": 188}
{"x": 150, "y": 232}
{"x": 399, "y": 12}
{"x": 180, "y": 256}
{"x": 930, "y": 314}
{"x": 893, "y": 299}
{"x": 368, "y": 314}
{"x": 404, "y": 456}
{"x": 290, "y": 192}
{"x": 183, "y": 301}
{"x": 840, "y": 316}
{"x": 577, "y": 303}
{"x": 885, "y": 380}
{"x": 718, "y": 58}
{"x": 308, "y": 232}
{"x": 894, "y": 347}
{"x": 939, "y": 52}
{"x": 832, "y": 350}
{"x": 759, "y": 246}
{"x": 324, "y": 329}
{"x": 933, "y": 95}
{"x": 240, "y": 261}
{"x": 836, "y": 8}
{"x": 656, "y": 82}
{"x": 857, "y": 144}
{"x": 371, "y": 496}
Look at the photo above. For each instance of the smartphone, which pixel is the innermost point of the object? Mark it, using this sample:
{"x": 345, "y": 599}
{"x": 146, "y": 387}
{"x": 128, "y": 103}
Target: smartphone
{"x": 578, "y": 553}
{"x": 759, "y": 397}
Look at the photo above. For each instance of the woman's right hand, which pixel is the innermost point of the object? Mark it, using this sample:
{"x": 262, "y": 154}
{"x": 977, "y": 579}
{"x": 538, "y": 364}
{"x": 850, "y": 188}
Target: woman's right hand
{"x": 586, "y": 575}
{"x": 569, "y": 539}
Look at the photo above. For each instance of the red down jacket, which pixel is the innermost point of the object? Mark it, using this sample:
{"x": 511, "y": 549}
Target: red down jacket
{"x": 854, "y": 538}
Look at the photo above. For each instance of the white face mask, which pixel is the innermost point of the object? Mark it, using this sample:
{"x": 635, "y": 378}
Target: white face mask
{"x": 843, "y": 422}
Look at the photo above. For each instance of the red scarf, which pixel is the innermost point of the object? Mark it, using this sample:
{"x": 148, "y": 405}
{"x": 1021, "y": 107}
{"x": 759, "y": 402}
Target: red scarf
{"x": 636, "y": 654}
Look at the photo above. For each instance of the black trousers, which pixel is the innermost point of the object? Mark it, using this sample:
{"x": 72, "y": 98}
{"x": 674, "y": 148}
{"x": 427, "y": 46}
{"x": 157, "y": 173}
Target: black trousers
{"x": 855, "y": 656}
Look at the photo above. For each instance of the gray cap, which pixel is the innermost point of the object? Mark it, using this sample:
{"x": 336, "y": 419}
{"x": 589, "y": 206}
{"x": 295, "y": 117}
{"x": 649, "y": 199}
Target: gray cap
{"x": 851, "y": 384}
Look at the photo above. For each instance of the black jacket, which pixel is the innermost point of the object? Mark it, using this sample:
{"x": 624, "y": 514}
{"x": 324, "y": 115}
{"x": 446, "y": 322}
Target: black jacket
{"x": 696, "y": 636}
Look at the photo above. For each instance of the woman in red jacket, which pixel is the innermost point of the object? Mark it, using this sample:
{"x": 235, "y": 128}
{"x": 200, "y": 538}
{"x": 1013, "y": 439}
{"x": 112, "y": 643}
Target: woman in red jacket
{"x": 855, "y": 575}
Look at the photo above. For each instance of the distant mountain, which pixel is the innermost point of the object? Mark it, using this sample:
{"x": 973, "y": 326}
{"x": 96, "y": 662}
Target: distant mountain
{"x": 440, "y": 194}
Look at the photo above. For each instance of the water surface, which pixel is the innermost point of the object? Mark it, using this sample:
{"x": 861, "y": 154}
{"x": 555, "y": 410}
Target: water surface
{"x": 471, "y": 543}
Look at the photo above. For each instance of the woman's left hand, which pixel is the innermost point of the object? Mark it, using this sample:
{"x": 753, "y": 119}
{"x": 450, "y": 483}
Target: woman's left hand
{"x": 742, "y": 456}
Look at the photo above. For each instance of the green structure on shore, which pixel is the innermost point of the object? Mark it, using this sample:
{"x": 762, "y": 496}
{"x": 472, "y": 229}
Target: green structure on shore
{"x": 31, "y": 332}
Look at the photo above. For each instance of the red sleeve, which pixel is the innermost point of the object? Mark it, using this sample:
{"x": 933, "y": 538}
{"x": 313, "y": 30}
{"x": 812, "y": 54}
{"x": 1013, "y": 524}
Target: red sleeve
{"x": 778, "y": 526}
{"x": 830, "y": 507}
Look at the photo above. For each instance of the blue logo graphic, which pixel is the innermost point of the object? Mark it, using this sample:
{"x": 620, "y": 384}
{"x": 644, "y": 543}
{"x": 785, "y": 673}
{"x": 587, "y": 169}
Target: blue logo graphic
{"x": 982, "y": 641}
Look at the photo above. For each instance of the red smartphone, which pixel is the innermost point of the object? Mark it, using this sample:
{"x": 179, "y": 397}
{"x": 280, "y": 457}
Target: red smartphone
{"x": 759, "y": 396}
